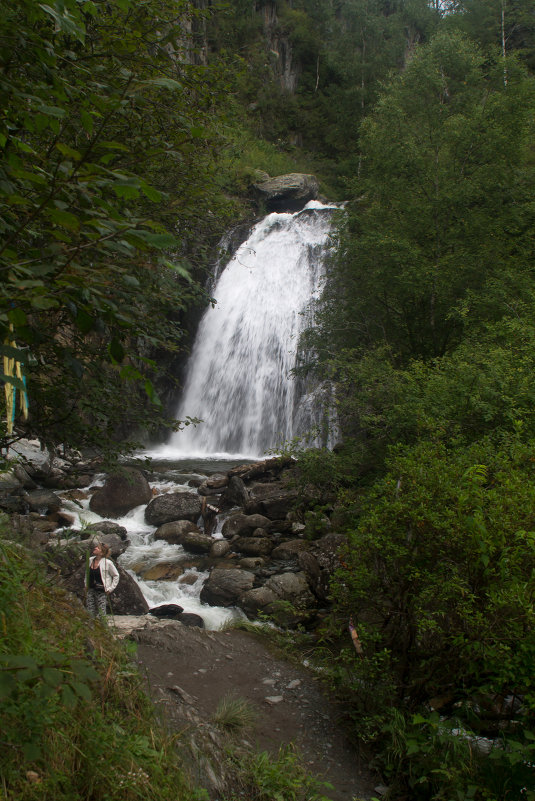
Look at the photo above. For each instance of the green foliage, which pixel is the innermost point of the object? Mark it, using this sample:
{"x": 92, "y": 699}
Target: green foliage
{"x": 100, "y": 120}
{"x": 283, "y": 778}
{"x": 439, "y": 240}
{"x": 438, "y": 576}
{"x": 75, "y": 722}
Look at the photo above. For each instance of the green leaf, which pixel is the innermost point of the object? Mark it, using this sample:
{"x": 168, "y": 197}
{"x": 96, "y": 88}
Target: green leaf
{"x": 52, "y": 676}
{"x": 7, "y": 684}
{"x": 164, "y": 83}
{"x": 126, "y": 191}
{"x": 84, "y": 321}
{"x": 87, "y": 121}
{"x": 12, "y": 352}
{"x": 68, "y": 697}
{"x": 160, "y": 241}
{"x": 150, "y": 192}
{"x": 65, "y": 219}
{"x": 17, "y": 317}
{"x": 42, "y": 302}
{"x": 82, "y": 690}
{"x": 51, "y": 111}
{"x": 65, "y": 150}
{"x": 65, "y": 22}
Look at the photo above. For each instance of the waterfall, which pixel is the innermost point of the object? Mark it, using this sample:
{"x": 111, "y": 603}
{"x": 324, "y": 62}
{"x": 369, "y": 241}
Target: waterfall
{"x": 239, "y": 378}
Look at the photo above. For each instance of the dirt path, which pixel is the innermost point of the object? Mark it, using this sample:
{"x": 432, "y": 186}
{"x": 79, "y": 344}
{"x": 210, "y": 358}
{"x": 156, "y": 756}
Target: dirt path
{"x": 190, "y": 670}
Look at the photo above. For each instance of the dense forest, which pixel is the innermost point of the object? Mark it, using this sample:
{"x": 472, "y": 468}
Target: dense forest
{"x": 130, "y": 133}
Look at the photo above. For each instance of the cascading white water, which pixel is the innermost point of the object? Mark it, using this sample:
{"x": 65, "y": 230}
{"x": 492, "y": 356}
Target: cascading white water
{"x": 239, "y": 380}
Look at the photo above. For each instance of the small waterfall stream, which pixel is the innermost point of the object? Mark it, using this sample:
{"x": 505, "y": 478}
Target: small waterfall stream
{"x": 239, "y": 379}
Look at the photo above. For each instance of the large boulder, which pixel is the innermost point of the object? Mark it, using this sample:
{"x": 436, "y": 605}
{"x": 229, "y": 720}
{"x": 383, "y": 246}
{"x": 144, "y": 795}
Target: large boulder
{"x": 287, "y": 192}
{"x": 225, "y": 586}
{"x": 127, "y": 598}
{"x": 172, "y": 506}
{"x": 121, "y": 492}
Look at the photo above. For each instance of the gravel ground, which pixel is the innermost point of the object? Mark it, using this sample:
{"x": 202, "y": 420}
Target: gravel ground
{"x": 189, "y": 671}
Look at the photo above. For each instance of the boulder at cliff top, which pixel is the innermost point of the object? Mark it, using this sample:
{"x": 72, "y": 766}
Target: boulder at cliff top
{"x": 287, "y": 192}
{"x": 121, "y": 492}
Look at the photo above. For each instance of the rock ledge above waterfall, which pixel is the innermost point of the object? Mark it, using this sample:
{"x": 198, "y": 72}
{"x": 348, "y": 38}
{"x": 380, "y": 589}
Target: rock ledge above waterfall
{"x": 287, "y": 192}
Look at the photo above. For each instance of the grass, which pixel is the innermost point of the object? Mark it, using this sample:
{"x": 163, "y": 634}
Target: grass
{"x": 234, "y": 714}
{"x": 74, "y": 720}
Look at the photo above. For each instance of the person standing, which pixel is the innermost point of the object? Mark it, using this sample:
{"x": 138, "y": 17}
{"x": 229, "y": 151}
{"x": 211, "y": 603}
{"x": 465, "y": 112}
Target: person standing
{"x": 101, "y": 580}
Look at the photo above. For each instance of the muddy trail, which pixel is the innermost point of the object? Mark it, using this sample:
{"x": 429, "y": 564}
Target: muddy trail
{"x": 189, "y": 671}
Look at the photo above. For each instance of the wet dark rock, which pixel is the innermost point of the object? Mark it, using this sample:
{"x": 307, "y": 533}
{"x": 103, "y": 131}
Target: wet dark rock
{"x": 172, "y": 611}
{"x": 121, "y": 492}
{"x": 42, "y": 500}
{"x": 191, "y": 619}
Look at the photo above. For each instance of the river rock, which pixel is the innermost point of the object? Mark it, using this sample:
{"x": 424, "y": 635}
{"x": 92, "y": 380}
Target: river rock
{"x": 196, "y": 542}
{"x": 225, "y": 586}
{"x": 42, "y": 500}
{"x": 252, "y": 562}
{"x": 163, "y": 571}
{"x": 106, "y": 527}
{"x": 220, "y": 548}
{"x": 272, "y": 500}
{"x": 217, "y": 480}
{"x": 127, "y": 598}
{"x": 236, "y": 492}
{"x": 290, "y": 549}
{"x": 259, "y": 599}
{"x": 244, "y": 525}
{"x": 173, "y": 532}
{"x": 254, "y": 546}
{"x": 284, "y": 587}
{"x": 287, "y": 192}
{"x": 121, "y": 492}
{"x": 173, "y": 506}
{"x": 172, "y": 611}
{"x": 191, "y": 619}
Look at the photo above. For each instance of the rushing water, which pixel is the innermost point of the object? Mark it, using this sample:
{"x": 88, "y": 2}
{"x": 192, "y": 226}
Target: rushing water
{"x": 240, "y": 384}
{"x": 145, "y": 552}
{"x": 239, "y": 380}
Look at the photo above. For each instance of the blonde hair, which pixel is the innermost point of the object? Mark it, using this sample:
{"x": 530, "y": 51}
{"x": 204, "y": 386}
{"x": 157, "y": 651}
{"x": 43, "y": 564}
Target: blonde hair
{"x": 105, "y": 549}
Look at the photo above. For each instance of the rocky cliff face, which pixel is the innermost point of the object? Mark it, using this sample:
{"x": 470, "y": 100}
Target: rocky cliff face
{"x": 279, "y": 46}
